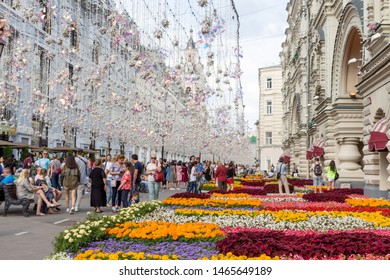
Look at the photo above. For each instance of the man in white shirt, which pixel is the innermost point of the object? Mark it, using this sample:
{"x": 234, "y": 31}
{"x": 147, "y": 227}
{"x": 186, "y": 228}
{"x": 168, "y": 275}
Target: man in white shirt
{"x": 107, "y": 168}
{"x": 83, "y": 165}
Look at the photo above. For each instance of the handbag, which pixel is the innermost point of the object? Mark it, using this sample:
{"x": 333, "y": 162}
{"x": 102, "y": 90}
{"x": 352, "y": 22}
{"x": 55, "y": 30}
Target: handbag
{"x": 336, "y": 176}
{"x": 159, "y": 176}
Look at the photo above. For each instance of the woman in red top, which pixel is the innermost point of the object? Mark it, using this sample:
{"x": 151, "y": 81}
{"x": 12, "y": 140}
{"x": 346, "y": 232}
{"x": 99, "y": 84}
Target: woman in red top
{"x": 220, "y": 175}
{"x": 126, "y": 183}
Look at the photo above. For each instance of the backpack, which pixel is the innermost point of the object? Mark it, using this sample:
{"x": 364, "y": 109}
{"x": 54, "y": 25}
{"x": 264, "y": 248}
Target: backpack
{"x": 317, "y": 170}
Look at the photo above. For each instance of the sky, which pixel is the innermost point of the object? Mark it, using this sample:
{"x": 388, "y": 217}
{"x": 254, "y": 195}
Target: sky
{"x": 263, "y": 24}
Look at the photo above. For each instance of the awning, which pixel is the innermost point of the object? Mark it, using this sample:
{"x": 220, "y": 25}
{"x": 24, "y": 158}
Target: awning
{"x": 62, "y": 149}
{"x": 310, "y": 153}
{"x": 319, "y": 147}
{"x": 89, "y": 151}
{"x": 378, "y": 137}
{"x": 286, "y": 157}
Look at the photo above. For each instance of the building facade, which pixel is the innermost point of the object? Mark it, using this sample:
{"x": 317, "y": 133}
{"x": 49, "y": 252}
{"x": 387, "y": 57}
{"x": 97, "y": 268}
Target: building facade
{"x": 269, "y": 144}
{"x": 335, "y": 90}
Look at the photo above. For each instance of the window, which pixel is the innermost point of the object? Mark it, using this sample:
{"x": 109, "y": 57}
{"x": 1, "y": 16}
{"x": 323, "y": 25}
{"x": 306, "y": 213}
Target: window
{"x": 269, "y": 82}
{"x": 71, "y": 71}
{"x": 268, "y": 138}
{"x": 73, "y": 35}
{"x": 269, "y": 107}
{"x": 25, "y": 140}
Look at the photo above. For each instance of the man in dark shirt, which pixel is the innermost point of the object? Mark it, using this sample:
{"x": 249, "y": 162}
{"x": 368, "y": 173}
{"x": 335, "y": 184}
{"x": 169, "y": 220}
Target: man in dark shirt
{"x": 138, "y": 169}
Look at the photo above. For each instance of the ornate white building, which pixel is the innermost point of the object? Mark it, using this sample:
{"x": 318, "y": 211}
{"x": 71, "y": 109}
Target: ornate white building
{"x": 336, "y": 88}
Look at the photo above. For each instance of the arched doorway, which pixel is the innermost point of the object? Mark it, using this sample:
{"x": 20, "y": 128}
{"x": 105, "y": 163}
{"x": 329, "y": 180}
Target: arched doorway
{"x": 353, "y": 58}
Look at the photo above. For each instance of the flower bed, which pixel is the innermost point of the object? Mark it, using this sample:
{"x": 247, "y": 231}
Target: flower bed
{"x": 273, "y": 187}
{"x": 243, "y": 224}
{"x": 255, "y": 242}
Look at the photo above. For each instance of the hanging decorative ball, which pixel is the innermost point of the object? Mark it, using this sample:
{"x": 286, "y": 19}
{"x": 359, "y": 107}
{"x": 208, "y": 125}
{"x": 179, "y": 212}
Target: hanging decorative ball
{"x": 208, "y": 74}
{"x": 206, "y": 25}
{"x": 210, "y": 55}
{"x": 158, "y": 34}
{"x": 102, "y": 30}
{"x": 175, "y": 43}
{"x": 210, "y": 62}
{"x": 202, "y": 3}
{"x": 65, "y": 33}
{"x": 165, "y": 23}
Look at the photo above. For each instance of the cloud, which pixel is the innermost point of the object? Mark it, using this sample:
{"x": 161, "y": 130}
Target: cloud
{"x": 262, "y": 32}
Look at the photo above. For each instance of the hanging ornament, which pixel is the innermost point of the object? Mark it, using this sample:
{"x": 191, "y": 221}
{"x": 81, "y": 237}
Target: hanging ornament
{"x": 206, "y": 25}
{"x": 165, "y": 23}
{"x": 158, "y": 34}
{"x": 202, "y": 3}
{"x": 175, "y": 43}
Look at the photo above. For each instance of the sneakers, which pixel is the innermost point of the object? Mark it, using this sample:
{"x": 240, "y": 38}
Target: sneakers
{"x": 76, "y": 209}
{"x": 114, "y": 209}
{"x": 71, "y": 211}
{"x": 67, "y": 210}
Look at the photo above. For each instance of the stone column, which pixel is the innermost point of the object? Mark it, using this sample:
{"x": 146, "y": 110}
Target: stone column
{"x": 348, "y": 135}
{"x": 349, "y": 158}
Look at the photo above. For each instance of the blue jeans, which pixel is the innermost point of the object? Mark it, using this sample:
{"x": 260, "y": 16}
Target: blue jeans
{"x": 124, "y": 197}
{"x": 116, "y": 195}
{"x": 109, "y": 190}
{"x": 317, "y": 181}
{"x": 192, "y": 187}
{"x": 55, "y": 181}
{"x": 153, "y": 190}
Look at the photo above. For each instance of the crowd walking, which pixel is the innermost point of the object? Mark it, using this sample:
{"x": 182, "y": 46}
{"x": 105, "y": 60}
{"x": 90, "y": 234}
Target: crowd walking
{"x": 115, "y": 182}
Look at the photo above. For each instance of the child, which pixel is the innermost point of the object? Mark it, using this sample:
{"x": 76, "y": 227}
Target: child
{"x": 135, "y": 198}
{"x": 126, "y": 182}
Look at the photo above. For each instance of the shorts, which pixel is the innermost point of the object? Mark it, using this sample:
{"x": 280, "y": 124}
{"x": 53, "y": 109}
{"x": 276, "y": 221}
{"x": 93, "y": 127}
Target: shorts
{"x": 230, "y": 181}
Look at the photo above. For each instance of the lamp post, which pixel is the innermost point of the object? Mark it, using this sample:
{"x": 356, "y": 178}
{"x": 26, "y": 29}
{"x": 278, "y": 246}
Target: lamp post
{"x": 162, "y": 147}
{"x": 308, "y": 83}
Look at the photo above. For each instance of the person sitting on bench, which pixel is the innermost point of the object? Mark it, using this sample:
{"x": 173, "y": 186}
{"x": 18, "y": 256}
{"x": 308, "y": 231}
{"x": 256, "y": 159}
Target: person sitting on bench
{"x": 25, "y": 189}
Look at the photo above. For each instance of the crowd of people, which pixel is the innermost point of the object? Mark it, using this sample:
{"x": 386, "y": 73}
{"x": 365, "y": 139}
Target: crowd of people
{"x": 115, "y": 182}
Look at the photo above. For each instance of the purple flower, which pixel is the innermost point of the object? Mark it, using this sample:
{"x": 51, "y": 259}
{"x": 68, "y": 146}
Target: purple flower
{"x": 185, "y": 251}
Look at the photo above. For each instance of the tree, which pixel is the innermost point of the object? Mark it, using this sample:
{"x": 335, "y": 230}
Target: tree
{"x": 24, "y": 153}
{"x": 7, "y": 152}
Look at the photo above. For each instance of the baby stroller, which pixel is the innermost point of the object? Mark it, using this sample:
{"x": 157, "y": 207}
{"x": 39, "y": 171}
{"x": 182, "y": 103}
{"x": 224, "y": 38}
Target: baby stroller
{"x": 143, "y": 187}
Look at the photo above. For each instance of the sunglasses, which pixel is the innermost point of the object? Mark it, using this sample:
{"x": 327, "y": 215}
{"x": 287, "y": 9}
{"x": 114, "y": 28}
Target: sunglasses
{"x": 153, "y": 158}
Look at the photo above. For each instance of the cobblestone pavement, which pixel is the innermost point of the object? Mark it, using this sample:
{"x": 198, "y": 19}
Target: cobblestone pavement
{"x": 30, "y": 238}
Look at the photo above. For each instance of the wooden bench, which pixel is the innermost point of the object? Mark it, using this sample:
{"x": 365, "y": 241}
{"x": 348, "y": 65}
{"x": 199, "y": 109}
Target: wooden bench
{"x": 8, "y": 196}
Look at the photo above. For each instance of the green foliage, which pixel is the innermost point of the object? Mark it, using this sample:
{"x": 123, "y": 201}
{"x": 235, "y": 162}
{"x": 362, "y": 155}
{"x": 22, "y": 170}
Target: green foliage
{"x": 7, "y": 152}
{"x": 24, "y": 153}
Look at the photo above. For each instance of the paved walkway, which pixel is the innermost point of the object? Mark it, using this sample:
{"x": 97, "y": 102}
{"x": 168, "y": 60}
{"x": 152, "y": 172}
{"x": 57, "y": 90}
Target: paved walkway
{"x": 30, "y": 238}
